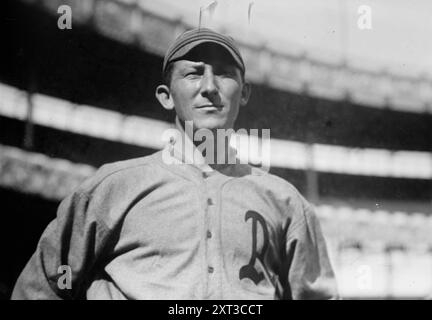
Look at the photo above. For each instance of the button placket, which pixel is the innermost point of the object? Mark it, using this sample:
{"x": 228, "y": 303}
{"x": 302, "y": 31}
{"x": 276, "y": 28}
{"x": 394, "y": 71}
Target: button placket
{"x": 206, "y": 232}
{"x": 211, "y": 242}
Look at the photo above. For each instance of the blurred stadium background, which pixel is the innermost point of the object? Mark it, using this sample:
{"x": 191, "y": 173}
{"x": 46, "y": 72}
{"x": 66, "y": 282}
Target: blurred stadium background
{"x": 349, "y": 112}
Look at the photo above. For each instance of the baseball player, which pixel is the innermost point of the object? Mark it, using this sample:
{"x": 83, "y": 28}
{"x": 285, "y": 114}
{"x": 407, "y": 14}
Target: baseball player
{"x": 149, "y": 228}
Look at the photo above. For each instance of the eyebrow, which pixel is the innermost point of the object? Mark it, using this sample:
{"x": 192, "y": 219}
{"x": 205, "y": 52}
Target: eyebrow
{"x": 193, "y": 64}
{"x": 188, "y": 65}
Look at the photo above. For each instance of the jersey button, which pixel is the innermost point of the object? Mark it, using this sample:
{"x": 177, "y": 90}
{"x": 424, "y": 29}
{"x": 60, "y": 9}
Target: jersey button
{"x": 210, "y": 202}
{"x": 210, "y": 269}
{"x": 209, "y": 234}
{"x": 206, "y": 174}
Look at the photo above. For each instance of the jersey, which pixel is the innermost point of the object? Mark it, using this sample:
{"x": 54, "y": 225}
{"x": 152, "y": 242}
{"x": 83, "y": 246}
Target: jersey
{"x": 145, "y": 229}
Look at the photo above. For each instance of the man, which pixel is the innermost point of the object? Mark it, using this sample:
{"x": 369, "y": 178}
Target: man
{"x": 176, "y": 226}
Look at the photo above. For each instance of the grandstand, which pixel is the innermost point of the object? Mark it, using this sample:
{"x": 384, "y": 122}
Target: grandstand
{"x": 355, "y": 141}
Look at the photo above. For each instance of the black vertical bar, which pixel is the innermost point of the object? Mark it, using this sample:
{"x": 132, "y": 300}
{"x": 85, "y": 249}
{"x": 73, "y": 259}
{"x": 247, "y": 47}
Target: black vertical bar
{"x": 311, "y": 178}
{"x": 28, "y": 141}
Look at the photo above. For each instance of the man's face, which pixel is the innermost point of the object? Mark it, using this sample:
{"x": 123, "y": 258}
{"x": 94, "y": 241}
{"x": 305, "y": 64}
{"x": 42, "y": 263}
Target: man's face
{"x": 207, "y": 88}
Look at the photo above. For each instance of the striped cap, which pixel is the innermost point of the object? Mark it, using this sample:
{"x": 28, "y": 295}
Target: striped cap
{"x": 190, "y": 39}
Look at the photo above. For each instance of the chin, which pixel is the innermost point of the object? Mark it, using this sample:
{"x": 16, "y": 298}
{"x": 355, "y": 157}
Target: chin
{"x": 211, "y": 124}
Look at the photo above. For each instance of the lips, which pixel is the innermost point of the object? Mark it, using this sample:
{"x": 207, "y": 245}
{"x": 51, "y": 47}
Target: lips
{"x": 210, "y": 107}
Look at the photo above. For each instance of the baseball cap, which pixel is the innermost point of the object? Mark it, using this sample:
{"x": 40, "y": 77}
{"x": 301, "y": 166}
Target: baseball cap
{"x": 192, "y": 38}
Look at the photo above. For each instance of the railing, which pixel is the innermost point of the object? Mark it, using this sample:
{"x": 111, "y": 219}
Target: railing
{"x": 146, "y": 132}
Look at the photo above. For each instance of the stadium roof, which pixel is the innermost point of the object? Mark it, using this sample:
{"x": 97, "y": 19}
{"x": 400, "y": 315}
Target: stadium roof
{"x": 324, "y": 30}
{"x": 294, "y": 46}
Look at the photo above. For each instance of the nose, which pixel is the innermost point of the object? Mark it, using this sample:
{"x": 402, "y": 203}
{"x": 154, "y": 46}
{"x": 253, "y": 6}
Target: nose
{"x": 209, "y": 87}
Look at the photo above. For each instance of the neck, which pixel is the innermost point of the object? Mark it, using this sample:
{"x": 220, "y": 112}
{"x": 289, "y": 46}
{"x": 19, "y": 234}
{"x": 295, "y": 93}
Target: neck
{"x": 214, "y": 146}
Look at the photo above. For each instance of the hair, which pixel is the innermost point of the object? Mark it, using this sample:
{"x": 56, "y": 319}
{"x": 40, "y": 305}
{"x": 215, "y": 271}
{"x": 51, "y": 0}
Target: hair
{"x": 166, "y": 76}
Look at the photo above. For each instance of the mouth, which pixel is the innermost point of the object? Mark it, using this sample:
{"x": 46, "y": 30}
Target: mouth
{"x": 209, "y": 107}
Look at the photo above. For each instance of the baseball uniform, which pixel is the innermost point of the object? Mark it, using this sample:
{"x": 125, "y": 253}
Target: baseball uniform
{"x": 145, "y": 229}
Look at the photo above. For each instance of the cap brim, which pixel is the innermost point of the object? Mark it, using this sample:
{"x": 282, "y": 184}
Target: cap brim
{"x": 193, "y": 38}
{"x": 187, "y": 48}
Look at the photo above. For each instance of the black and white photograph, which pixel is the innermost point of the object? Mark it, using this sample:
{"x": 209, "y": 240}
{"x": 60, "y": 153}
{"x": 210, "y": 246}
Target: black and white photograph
{"x": 216, "y": 150}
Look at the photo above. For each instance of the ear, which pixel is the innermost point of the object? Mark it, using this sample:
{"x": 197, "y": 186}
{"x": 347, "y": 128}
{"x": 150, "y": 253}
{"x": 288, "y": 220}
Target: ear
{"x": 245, "y": 94}
{"x": 163, "y": 94}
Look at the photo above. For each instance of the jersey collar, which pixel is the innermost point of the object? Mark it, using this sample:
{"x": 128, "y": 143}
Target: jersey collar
{"x": 183, "y": 151}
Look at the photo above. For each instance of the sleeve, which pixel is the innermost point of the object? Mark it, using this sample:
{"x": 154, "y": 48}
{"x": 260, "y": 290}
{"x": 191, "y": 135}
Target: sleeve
{"x": 65, "y": 254}
{"x": 310, "y": 274}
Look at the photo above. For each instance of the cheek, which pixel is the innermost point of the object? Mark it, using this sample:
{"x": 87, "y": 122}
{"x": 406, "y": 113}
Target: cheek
{"x": 234, "y": 96}
{"x": 183, "y": 98}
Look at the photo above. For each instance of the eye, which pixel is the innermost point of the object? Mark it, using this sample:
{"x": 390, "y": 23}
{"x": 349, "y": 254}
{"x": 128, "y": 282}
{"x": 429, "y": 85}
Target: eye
{"x": 225, "y": 71}
{"x": 192, "y": 74}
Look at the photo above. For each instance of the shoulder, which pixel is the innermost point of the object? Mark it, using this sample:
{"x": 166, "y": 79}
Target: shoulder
{"x": 107, "y": 195}
{"x": 118, "y": 173}
{"x": 290, "y": 201}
